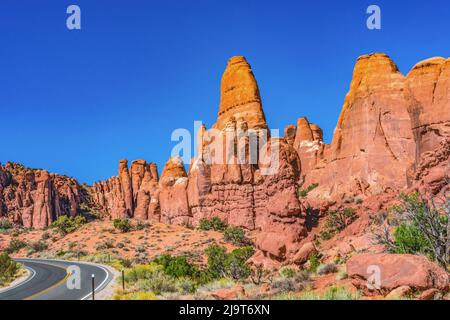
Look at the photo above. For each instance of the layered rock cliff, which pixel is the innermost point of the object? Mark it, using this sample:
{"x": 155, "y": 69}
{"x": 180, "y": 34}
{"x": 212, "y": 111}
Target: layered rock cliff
{"x": 35, "y": 198}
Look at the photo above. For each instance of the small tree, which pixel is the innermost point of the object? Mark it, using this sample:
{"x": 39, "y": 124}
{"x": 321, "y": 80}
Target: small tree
{"x": 423, "y": 230}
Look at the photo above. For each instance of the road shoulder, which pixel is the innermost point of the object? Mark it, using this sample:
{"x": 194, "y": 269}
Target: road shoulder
{"x": 27, "y": 274}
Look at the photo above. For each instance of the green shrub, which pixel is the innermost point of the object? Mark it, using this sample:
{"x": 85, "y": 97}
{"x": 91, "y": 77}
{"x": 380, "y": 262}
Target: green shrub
{"x": 314, "y": 262}
{"x": 235, "y": 235}
{"x": 214, "y": 223}
{"x": 150, "y": 277}
{"x": 15, "y": 245}
{"x": 304, "y": 192}
{"x": 5, "y": 224}
{"x": 66, "y": 224}
{"x": 287, "y": 272}
{"x": 123, "y": 225}
{"x": 421, "y": 229}
{"x": 176, "y": 267}
{"x": 409, "y": 239}
{"x": 8, "y": 269}
{"x": 233, "y": 264}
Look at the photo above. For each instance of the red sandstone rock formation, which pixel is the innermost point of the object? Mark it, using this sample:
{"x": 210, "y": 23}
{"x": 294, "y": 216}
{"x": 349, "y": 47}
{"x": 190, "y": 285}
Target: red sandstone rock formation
{"x": 397, "y": 270}
{"x": 35, "y": 198}
{"x": 239, "y": 192}
{"x": 173, "y": 196}
{"x": 133, "y": 193}
{"x": 239, "y": 96}
{"x": 373, "y": 144}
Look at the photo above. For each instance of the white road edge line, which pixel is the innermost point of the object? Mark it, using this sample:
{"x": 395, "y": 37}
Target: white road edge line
{"x": 100, "y": 285}
{"x": 108, "y": 274}
{"x": 33, "y": 273}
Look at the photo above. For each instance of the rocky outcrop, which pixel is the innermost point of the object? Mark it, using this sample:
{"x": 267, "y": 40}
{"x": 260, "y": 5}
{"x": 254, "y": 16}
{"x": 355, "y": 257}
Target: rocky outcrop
{"x": 35, "y": 198}
{"x": 173, "y": 196}
{"x": 428, "y": 93}
{"x": 133, "y": 193}
{"x": 396, "y": 270}
{"x": 239, "y": 96}
{"x": 308, "y": 143}
{"x": 237, "y": 189}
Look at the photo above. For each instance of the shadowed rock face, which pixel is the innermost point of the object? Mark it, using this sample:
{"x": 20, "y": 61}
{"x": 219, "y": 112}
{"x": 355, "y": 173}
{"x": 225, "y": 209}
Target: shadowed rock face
{"x": 428, "y": 93}
{"x": 35, "y": 198}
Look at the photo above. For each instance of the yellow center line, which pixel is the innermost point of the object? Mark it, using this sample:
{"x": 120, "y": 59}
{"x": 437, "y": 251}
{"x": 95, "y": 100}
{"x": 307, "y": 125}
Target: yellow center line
{"x": 51, "y": 287}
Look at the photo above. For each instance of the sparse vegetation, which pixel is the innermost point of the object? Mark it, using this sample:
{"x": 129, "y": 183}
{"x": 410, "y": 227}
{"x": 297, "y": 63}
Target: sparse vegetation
{"x": 37, "y": 246}
{"x": 123, "y": 225}
{"x": 5, "y": 225}
{"x": 294, "y": 282}
{"x": 236, "y": 236}
{"x": 303, "y": 193}
{"x": 9, "y": 269}
{"x": 421, "y": 230}
{"x": 326, "y": 268}
{"x": 66, "y": 224}
{"x": 333, "y": 293}
{"x": 214, "y": 223}
{"x": 336, "y": 221}
{"x": 15, "y": 245}
{"x": 233, "y": 264}
{"x": 314, "y": 262}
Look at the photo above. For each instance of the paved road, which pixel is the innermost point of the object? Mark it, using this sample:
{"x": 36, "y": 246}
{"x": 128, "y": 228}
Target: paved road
{"x": 48, "y": 281}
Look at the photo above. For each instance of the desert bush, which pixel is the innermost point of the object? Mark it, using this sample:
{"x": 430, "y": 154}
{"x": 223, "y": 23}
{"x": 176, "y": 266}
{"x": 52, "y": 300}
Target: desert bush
{"x": 66, "y": 224}
{"x": 314, "y": 262}
{"x": 15, "y": 245}
{"x": 236, "y": 236}
{"x": 423, "y": 229}
{"x": 297, "y": 282}
{"x": 123, "y": 225}
{"x": 186, "y": 285}
{"x": 214, "y": 223}
{"x": 287, "y": 272}
{"x": 176, "y": 267}
{"x": 141, "y": 225}
{"x": 5, "y": 225}
{"x": 326, "y": 268}
{"x": 304, "y": 192}
{"x": 37, "y": 246}
{"x": 8, "y": 269}
{"x": 337, "y": 221}
{"x": 150, "y": 277}
{"x": 233, "y": 264}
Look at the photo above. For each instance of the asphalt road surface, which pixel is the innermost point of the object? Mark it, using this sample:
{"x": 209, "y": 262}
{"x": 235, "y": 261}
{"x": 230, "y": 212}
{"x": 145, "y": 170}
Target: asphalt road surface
{"x": 48, "y": 281}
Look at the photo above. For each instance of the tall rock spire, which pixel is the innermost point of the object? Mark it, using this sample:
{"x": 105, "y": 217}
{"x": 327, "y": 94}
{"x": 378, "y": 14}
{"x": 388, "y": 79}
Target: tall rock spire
{"x": 239, "y": 96}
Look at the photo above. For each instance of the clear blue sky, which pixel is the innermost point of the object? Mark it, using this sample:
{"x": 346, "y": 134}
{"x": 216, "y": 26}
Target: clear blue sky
{"x": 75, "y": 102}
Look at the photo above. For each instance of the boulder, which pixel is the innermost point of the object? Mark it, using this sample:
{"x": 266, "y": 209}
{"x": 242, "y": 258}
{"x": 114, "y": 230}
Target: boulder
{"x": 398, "y": 270}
